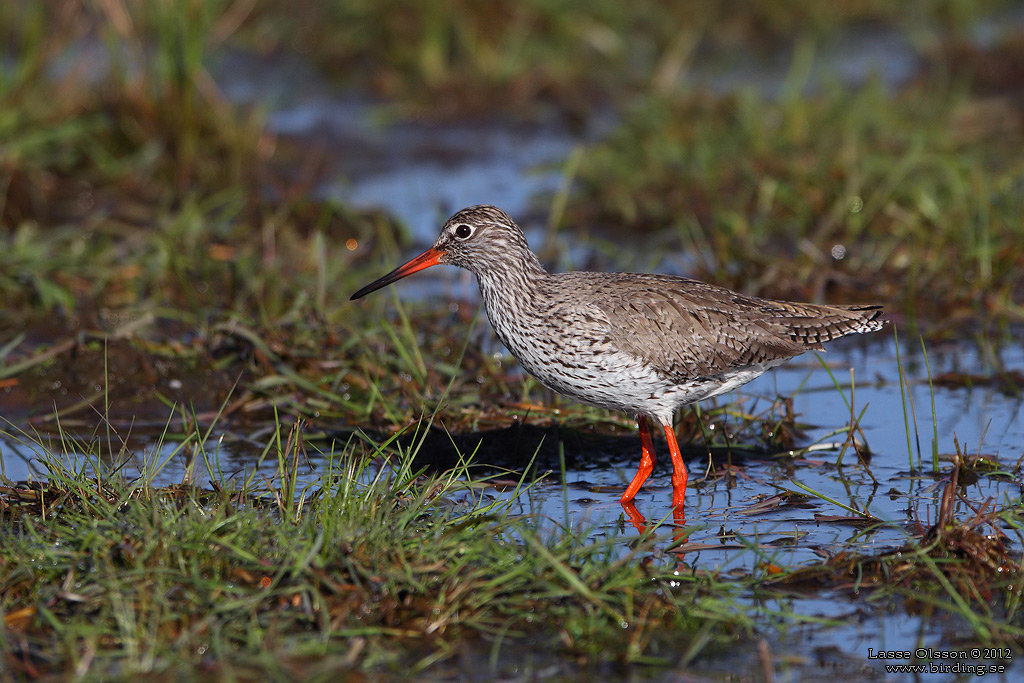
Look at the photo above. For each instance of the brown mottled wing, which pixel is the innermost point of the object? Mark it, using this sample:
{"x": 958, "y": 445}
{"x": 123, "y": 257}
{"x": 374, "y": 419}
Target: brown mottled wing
{"x": 687, "y": 328}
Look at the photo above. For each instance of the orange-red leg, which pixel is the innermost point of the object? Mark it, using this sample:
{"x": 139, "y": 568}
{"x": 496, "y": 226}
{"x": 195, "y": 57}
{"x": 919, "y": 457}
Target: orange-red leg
{"x": 638, "y": 521}
{"x": 679, "y": 474}
{"x": 646, "y": 460}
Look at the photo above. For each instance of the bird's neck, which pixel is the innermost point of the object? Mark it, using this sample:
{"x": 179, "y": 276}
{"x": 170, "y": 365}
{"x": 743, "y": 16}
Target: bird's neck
{"x": 509, "y": 286}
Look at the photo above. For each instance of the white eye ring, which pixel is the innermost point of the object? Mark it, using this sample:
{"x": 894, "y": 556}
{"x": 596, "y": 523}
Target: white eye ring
{"x": 463, "y": 231}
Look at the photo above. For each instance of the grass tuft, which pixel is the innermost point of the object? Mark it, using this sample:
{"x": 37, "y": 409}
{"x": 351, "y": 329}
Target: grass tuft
{"x": 366, "y": 563}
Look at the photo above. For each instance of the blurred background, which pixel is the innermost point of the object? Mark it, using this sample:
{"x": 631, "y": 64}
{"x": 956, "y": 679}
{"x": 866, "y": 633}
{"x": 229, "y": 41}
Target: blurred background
{"x": 201, "y": 184}
{"x": 190, "y": 191}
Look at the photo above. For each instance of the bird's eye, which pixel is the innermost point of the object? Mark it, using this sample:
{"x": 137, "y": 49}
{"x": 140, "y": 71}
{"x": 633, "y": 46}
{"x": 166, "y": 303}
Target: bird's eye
{"x": 463, "y": 231}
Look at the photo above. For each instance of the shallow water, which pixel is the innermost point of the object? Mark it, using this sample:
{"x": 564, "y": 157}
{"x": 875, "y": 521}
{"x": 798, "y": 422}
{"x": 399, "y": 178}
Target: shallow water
{"x": 725, "y": 529}
{"x": 421, "y": 172}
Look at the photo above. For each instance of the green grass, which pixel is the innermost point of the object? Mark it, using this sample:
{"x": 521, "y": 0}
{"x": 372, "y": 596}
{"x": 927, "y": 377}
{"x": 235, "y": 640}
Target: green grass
{"x": 762, "y": 192}
{"x": 440, "y": 57}
{"x": 966, "y": 566}
{"x": 145, "y": 209}
{"x": 160, "y": 254}
{"x": 368, "y": 564}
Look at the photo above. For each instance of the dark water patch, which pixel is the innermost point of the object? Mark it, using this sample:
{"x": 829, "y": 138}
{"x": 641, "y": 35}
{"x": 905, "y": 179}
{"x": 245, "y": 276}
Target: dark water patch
{"x": 1010, "y": 382}
{"x": 756, "y": 518}
{"x": 547, "y": 446}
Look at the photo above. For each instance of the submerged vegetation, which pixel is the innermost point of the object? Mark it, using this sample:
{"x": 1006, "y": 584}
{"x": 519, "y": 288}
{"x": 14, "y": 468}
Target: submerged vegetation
{"x": 170, "y": 274}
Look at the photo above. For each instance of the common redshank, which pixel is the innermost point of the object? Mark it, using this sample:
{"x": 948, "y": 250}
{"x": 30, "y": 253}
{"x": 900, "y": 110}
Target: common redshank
{"x": 642, "y": 343}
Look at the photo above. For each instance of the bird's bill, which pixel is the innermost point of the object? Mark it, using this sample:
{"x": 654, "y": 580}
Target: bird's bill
{"x": 431, "y": 257}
